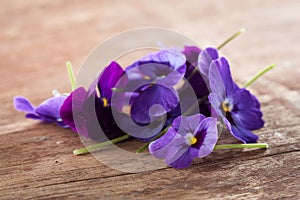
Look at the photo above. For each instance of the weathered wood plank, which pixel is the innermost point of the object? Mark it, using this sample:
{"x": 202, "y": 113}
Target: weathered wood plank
{"x": 273, "y": 177}
{"x": 42, "y": 156}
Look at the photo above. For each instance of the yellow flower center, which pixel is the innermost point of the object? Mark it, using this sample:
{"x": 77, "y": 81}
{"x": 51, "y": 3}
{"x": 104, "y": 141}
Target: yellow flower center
{"x": 146, "y": 77}
{"x": 226, "y": 105}
{"x": 105, "y": 103}
{"x": 190, "y": 139}
{"x": 193, "y": 140}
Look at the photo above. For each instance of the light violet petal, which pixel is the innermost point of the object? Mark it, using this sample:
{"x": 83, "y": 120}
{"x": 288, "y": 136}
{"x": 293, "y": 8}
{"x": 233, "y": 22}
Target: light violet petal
{"x": 216, "y": 102}
{"x": 23, "y": 104}
{"x": 215, "y": 79}
{"x": 205, "y": 58}
{"x": 176, "y": 149}
{"x": 50, "y": 108}
{"x": 159, "y": 147}
{"x": 185, "y": 125}
{"x": 211, "y": 137}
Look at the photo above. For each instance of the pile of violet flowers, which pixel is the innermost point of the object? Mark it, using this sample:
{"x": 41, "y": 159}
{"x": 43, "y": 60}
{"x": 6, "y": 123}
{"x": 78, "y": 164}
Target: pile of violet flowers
{"x": 185, "y": 131}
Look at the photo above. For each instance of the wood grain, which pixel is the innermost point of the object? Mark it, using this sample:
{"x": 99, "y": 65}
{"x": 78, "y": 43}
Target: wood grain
{"x": 36, "y": 160}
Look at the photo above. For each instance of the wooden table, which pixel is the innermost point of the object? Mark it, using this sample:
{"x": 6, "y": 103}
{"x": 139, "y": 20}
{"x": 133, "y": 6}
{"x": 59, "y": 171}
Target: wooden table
{"x": 36, "y": 160}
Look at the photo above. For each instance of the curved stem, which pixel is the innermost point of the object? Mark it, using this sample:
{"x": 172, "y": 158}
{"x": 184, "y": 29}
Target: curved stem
{"x": 94, "y": 147}
{"x": 240, "y": 146}
{"x": 231, "y": 38}
{"x": 259, "y": 75}
{"x": 71, "y": 75}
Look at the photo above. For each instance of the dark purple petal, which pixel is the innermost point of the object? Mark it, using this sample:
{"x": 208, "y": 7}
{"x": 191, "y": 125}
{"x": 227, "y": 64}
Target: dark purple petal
{"x": 196, "y": 80}
{"x": 224, "y": 68}
{"x": 66, "y": 111}
{"x": 62, "y": 124}
{"x": 244, "y": 135}
{"x": 243, "y": 100}
{"x": 165, "y": 97}
{"x": 49, "y": 109}
{"x": 245, "y": 113}
{"x": 191, "y": 53}
{"x": 105, "y": 118}
{"x": 33, "y": 116}
{"x": 109, "y": 78}
{"x": 23, "y": 104}
{"x": 159, "y": 147}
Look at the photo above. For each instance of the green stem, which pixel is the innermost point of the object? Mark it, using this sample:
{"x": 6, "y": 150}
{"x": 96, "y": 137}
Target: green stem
{"x": 259, "y": 75}
{"x": 71, "y": 75}
{"x": 231, "y": 38}
{"x": 94, "y": 147}
{"x": 118, "y": 89}
{"x": 239, "y": 146}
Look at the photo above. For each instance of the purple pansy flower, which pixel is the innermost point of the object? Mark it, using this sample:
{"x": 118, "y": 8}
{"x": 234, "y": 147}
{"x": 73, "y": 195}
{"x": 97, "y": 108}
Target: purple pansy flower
{"x": 152, "y": 79}
{"x": 47, "y": 111}
{"x": 188, "y": 138}
{"x": 89, "y": 110}
{"x": 239, "y": 109}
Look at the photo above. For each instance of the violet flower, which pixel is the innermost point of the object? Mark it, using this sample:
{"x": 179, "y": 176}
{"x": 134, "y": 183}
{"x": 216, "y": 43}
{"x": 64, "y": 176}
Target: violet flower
{"x": 239, "y": 109}
{"x": 152, "y": 79}
{"x": 84, "y": 110}
{"x": 188, "y": 138}
{"x": 47, "y": 111}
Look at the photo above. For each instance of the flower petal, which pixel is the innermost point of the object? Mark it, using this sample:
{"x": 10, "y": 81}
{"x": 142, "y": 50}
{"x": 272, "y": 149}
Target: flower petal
{"x": 191, "y": 53}
{"x": 244, "y": 135}
{"x": 215, "y": 79}
{"x": 184, "y": 160}
{"x": 23, "y": 104}
{"x": 159, "y": 147}
{"x": 66, "y": 111}
{"x": 168, "y": 65}
{"x": 245, "y": 113}
{"x": 224, "y": 68}
{"x": 216, "y": 102}
{"x": 50, "y": 108}
{"x": 206, "y": 56}
{"x": 33, "y": 116}
{"x": 109, "y": 78}
{"x": 209, "y": 126}
{"x": 166, "y": 99}
{"x": 176, "y": 149}
{"x": 185, "y": 125}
